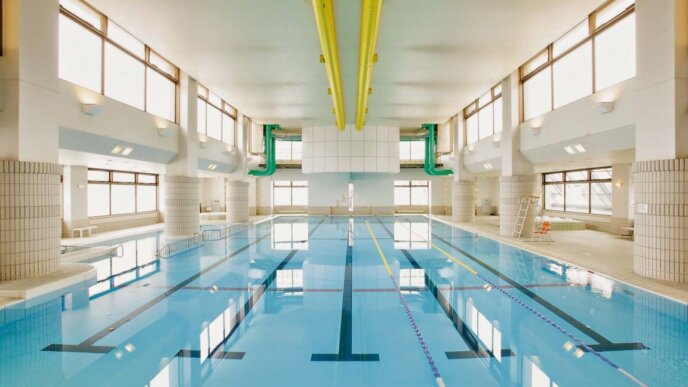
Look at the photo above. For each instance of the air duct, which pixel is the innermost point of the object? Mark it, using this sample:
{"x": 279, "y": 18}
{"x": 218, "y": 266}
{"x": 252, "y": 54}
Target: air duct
{"x": 429, "y": 164}
{"x": 270, "y": 160}
{"x": 370, "y": 25}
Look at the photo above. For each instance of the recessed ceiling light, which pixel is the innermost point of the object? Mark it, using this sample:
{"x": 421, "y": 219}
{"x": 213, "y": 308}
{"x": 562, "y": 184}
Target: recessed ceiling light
{"x": 580, "y": 148}
{"x": 569, "y": 150}
{"x": 127, "y": 151}
{"x": 116, "y": 150}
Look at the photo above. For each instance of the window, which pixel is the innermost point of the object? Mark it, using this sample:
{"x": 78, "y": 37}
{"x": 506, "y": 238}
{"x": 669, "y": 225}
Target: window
{"x": 411, "y": 193}
{"x": 412, "y": 235}
{"x": 411, "y": 150}
{"x": 288, "y": 150}
{"x": 290, "y": 193}
{"x": 137, "y": 261}
{"x": 290, "y": 236}
{"x": 99, "y": 55}
{"x": 80, "y": 59}
{"x": 586, "y": 191}
{"x": 216, "y": 118}
{"x": 119, "y": 192}
{"x": 603, "y": 45}
{"x": 483, "y": 117}
{"x": 484, "y": 329}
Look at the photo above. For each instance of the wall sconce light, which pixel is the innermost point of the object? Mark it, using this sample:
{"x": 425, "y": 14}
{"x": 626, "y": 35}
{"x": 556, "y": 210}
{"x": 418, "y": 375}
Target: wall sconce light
{"x": 80, "y": 186}
{"x": 604, "y": 107}
{"x": 496, "y": 139}
{"x": 535, "y": 129}
{"x": 619, "y": 183}
{"x": 91, "y": 109}
{"x": 164, "y": 132}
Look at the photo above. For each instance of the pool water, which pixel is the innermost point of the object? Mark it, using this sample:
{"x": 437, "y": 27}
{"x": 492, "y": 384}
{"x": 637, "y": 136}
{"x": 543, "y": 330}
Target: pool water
{"x": 309, "y": 301}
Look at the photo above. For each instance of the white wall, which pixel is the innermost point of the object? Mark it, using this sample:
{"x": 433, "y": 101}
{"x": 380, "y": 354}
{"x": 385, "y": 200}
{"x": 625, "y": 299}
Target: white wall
{"x": 212, "y": 189}
{"x": 487, "y": 187}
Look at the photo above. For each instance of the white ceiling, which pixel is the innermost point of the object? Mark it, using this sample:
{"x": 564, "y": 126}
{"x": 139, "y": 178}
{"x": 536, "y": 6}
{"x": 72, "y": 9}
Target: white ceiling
{"x": 263, "y": 55}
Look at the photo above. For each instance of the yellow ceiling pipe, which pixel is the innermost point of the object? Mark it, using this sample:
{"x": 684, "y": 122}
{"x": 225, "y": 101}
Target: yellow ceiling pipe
{"x": 370, "y": 24}
{"x": 324, "y": 18}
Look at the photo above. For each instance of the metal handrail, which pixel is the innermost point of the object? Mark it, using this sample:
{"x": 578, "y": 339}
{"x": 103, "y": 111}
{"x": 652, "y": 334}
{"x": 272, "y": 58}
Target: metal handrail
{"x": 179, "y": 246}
{"x": 216, "y": 234}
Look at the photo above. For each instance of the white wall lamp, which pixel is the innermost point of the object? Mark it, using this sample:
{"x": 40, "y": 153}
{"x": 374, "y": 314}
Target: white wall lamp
{"x": 164, "y": 132}
{"x": 496, "y": 139}
{"x": 619, "y": 183}
{"x": 604, "y": 107}
{"x": 535, "y": 129}
{"x": 91, "y": 109}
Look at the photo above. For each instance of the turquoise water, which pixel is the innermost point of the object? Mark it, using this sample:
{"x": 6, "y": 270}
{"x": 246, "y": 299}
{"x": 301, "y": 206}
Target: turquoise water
{"x": 309, "y": 301}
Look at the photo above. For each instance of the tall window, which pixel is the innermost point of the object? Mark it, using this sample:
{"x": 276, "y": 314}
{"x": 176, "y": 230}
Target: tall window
{"x": 118, "y": 192}
{"x": 411, "y": 150}
{"x": 216, "y": 118}
{"x": 596, "y": 54}
{"x": 586, "y": 191}
{"x": 99, "y": 55}
{"x": 411, "y": 193}
{"x": 290, "y": 193}
{"x": 288, "y": 151}
{"x": 483, "y": 117}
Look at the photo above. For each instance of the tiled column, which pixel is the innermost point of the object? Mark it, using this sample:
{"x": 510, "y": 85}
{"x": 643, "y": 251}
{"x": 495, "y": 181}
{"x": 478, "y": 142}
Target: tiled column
{"x": 661, "y": 219}
{"x": 463, "y": 201}
{"x": 29, "y": 219}
{"x": 237, "y": 201}
{"x": 182, "y": 200}
{"x": 511, "y": 190}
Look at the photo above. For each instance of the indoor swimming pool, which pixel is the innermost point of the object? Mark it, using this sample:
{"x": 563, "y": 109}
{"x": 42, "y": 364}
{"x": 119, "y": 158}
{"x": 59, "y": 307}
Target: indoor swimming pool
{"x": 337, "y": 301}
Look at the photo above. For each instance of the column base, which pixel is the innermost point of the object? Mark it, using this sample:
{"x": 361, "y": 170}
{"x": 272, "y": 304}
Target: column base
{"x": 463, "y": 201}
{"x": 661, "y": 219}
{"x": 29, "y": 219}
{"x": 511, "y": 190}
{"x": 182, "y": 200}
{"x": 237, "y": 202}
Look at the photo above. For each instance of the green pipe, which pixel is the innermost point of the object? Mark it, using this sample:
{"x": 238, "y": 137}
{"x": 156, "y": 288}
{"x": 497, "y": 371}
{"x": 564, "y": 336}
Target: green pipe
{"x": 429, "y": 164}
{"x": 270, "y": 160}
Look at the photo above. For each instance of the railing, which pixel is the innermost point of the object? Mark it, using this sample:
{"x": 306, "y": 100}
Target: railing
{"x": 178, "y": 246}
{"x": 216, "y": 234}
{"x": 64, "y": 249}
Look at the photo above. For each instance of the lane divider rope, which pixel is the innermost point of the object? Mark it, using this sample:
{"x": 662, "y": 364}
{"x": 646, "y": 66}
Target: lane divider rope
{"x": 412, "y": 320}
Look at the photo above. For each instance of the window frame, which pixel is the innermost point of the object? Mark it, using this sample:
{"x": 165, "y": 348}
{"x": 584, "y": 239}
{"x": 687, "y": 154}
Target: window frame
{"x": 593, "y": 32}
{"x": 565, "y": 182}
{"x": 225, "y": 108}
{"x": 410, "y": 186}
{"x": 474, "y": 108}
{"x": 291, "y": 186}
{"x": 110, "y": 182}
{"x": 102, "y": 34}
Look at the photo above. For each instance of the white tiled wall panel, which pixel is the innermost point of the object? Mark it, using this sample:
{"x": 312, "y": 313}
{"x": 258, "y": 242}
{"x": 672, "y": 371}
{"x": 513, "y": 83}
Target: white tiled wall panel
{"x": 373, "y": 149}
{"x": 30, "y": 226}
{"x": 463, "y": 201}
{"x": 661, "y": 219}
{"x": 237, "y": 201}
{"x": 182, "y": 198}
{"x": 512, "y": 189}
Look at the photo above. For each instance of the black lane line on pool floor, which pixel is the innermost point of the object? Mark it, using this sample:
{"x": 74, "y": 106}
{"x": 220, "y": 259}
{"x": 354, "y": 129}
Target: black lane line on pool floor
{"x": 453, "y": 316}
{"x": 243, "y": 313}
{"x": 604, "y": 344}
{"x": 240, "y": 316}
{"x": 476, "y": 349}
{"x": 87, "y": 346}
{"x": 346, "y": 326}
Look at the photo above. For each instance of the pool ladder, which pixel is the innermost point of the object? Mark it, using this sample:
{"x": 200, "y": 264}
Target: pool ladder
{"x": 526, "y": 203}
